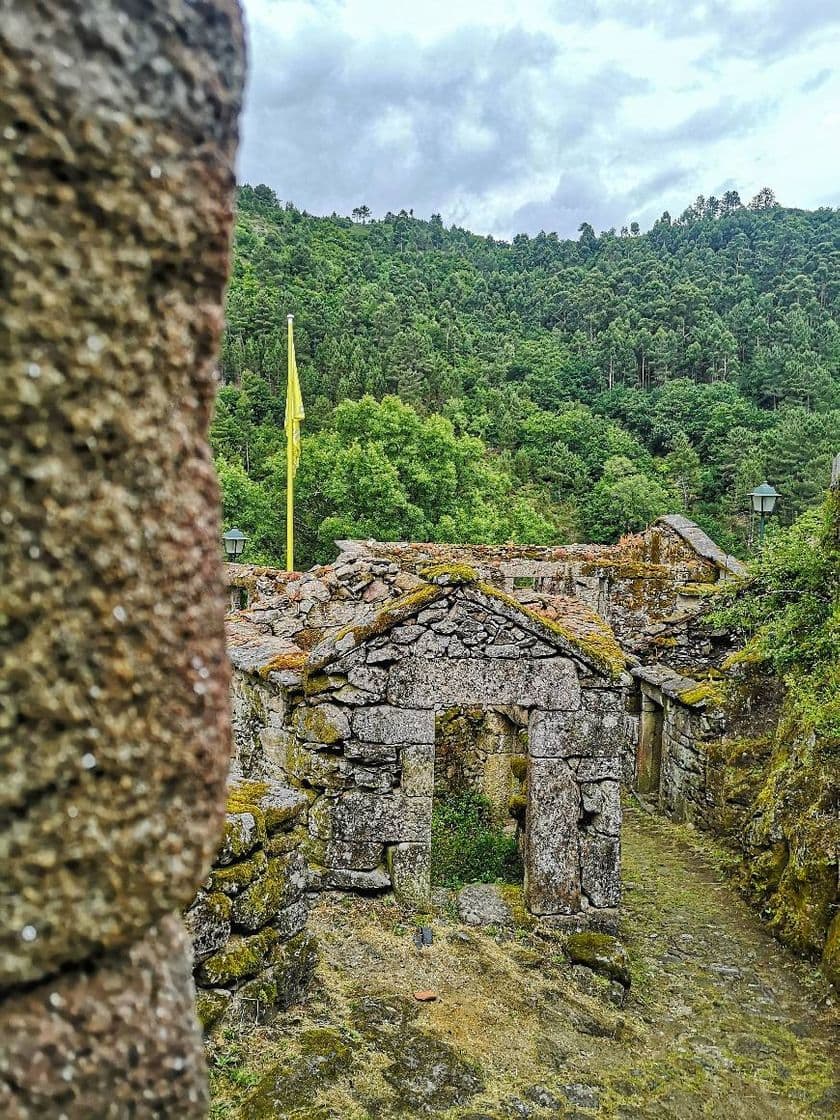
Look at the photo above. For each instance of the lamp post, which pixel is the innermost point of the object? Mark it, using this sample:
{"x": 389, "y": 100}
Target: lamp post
{"x": 763, "y": 500}
{"x": 234, "y": 544}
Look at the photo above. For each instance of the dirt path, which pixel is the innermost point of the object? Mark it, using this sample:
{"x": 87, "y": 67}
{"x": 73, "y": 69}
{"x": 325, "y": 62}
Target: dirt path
{"x": 721, "y": 1022}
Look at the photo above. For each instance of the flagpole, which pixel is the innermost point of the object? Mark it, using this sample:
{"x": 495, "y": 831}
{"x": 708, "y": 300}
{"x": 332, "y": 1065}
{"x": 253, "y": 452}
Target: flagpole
{"x": 290, "y": 464}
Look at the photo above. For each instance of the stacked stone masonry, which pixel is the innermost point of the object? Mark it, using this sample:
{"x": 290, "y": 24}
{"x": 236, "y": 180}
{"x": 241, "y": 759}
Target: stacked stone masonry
{"x": 251, "y": 952}
{"x": 119, "y": 126}
{"x": 352, "y": 722}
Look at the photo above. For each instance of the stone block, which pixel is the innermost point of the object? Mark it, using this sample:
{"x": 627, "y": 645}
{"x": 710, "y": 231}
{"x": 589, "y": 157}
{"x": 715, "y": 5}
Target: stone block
{"x": 240, "y": 959}
{"x": 418, "y": 769}
{"x": 322, "y": 723}
{"x": 409, "y": 866}
{"x": 234, "y": 878}
{"x": 119, "y": 151}
{"x": 388, "y": 724}
{"x": 243, "y": 833}
{"x": 580, "y": 734}
{"x": 552, "y": 864}
{"x": 597, "y": 769}
{"x": 345, "y": 879}
{"x": 385, "y": 818}
{"x": 360, "y": 855}
{"x": 283, "y": 883}
{"x": 291, "y": 919}
{"x": 117, "y": 1040}
{"x": 208, "y": 923}
{"x": 371, "y": 753}
{"x": 281, "y": 985}
{"x": 603, "y": 801}
{"x": 421, "y": 682}
{"x": 600, "y": 869}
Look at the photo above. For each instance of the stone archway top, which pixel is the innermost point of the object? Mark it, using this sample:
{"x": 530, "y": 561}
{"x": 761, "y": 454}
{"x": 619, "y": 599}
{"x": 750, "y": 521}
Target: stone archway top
{"x": 582, "y": 636}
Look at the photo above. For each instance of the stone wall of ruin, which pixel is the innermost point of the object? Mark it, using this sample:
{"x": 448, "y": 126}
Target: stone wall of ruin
{"x": 360, "y": 731}
{"x": 116, "y": 182}
{"x": 252, "y": 954}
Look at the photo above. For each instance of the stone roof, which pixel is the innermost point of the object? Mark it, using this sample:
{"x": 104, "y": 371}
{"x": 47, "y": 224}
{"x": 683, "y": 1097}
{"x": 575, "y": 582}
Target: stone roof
{"x": 702, "y": 543}
{"x": 564, "y": 623}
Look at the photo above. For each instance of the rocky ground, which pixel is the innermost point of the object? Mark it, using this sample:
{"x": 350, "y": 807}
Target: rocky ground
{"x": 719, "y": 1021}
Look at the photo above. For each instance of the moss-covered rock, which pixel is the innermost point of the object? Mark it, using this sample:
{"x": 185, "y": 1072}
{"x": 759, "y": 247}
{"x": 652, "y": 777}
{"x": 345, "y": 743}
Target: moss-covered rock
{"x": 211, "y": 1006}
{"x": 282, "y": 884}
{"x": 323, "y": 723}
{"x": 242, "y": 834}
{"x": 428, "y": 1075}
{"x": 600, "y": 952}
{"x": 325, "y": 1054}
{"x": 240, "y": 959}
{"x": 519, "y": 766}
{"x": 208, "y": 923}
{"x": 234, "y": 878}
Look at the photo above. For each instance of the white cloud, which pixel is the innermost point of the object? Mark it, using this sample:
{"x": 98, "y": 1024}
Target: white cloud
{"x": 544, "y": 113}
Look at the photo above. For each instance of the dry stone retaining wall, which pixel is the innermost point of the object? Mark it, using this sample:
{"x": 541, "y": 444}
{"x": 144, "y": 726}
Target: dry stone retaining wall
{"x": 252, "y": 954}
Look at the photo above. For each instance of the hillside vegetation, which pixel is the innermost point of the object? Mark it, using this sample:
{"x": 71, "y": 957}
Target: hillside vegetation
{"x": 465, "y": 389}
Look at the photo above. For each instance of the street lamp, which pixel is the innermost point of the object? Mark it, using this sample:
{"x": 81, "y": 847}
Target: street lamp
{"x": 234, "y": 543}
{"x": 763, "y": 500}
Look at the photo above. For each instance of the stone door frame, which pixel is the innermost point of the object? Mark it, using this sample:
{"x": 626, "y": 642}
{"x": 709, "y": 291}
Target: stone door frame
{"x": 549, "y": 690}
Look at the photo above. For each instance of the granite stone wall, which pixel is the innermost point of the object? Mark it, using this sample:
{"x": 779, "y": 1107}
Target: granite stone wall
{"x": 678, "y": 723}
{"x": 361, "y": 740}
{"x": 116, "y": 182}
{"x": 252, "y": 955}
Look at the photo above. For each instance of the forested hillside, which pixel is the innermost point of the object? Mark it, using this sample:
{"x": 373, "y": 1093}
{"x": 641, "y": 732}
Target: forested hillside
{"x": 461, "y": 388}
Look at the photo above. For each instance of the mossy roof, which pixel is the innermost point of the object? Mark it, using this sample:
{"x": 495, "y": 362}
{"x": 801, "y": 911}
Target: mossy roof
{"x": 564, "y": 623}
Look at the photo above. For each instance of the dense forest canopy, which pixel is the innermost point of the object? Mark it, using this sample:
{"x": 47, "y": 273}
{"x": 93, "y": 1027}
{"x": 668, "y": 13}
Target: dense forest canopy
{"x": 462, "y": 388}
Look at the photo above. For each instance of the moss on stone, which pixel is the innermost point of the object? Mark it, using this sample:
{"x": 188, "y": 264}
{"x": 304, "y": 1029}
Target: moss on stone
{"x": 240, "y": 959}
{"x": 293, "y": 661}
{"x": 598, "y": 645}
{"x": 708, "y": 693}
{"x": 238, "y": 838}
{"x": 236, "y": 877}
{"x": 260, "y": 902}
{"x": 519, "y": 767}
{"x": 316, "y": 725}
{"x": 518, "y": 806}
{"x": 210, "y": 1007}
{"x": 450, "y": 575}
{"x": 245, "y": 797}
{"x": 600, "y": 952}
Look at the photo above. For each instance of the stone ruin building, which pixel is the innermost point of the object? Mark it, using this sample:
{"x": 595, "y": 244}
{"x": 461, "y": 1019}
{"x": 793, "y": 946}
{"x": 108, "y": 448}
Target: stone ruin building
{"x": 543, "y": 677}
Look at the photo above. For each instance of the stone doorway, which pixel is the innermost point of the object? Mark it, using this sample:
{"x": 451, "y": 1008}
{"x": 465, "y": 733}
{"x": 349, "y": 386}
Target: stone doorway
{"x": 479, "y": 795}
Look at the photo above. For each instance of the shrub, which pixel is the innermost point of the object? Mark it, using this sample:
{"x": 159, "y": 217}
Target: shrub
{"x": 467, "y": 846}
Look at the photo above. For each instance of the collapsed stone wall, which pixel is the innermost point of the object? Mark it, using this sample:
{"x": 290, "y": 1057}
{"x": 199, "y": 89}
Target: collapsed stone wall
{"x": 252, "y": 954}
{"x": 116, "y": 179}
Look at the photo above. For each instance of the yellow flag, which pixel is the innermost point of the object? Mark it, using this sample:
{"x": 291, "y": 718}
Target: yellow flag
{"x": 294, "y": 403}
{"x": 294, "y": 415}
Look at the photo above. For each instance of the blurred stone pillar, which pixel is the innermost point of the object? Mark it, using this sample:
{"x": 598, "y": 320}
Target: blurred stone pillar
{"x": 118, "y": 126}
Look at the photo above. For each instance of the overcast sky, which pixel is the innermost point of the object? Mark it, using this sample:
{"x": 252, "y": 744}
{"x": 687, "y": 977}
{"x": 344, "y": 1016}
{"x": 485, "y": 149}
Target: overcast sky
{"x": 520, "y": 115}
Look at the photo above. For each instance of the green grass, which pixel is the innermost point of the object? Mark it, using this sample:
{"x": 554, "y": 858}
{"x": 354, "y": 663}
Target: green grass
{"x": 467, "y": 846}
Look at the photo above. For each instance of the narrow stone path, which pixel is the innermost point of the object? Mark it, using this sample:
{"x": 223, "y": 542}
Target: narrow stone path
{"x": 721, "y": 1022}
{"x": 753, "y": 1026}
